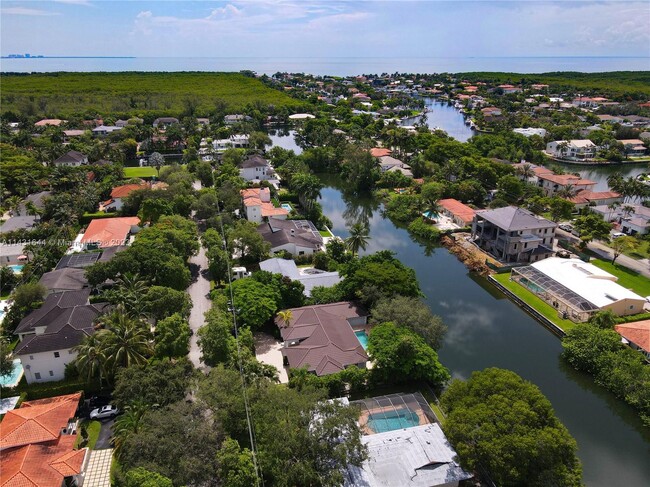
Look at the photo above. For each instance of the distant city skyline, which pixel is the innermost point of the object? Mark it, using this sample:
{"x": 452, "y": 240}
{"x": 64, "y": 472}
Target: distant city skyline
{"x": 322, "y": 28}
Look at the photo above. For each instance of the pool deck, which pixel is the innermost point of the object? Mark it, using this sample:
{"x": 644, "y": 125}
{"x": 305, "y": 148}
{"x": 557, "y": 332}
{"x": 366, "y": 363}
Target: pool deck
{"x": 365, "y": 416}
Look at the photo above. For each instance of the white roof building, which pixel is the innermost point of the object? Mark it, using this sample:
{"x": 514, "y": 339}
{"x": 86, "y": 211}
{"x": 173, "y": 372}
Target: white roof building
{"x": 310, "y": 278}
{"x": 530, "y": 131}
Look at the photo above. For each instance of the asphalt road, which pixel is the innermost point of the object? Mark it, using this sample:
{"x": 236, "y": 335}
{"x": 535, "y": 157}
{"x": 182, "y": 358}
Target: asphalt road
{"x": 199, "y": 291}
{"x": 104, "y": 439}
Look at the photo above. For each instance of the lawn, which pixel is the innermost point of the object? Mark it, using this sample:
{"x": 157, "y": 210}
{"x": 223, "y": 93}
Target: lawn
{"x": 641, "y": 252}
{"x": 140, "y": 172}
{"x": 325, "y": 233}
{"x": 93, "y": 428}
{"x": 533, "y": 301}
{"x": 133, "y": 93}
{"x": 626, "y": 277}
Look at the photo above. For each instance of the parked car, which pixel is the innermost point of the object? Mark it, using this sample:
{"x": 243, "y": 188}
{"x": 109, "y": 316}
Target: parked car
{"x": 565, "y": 254}
{"x": 566, "y": 227}
{"x": 105, "y": 412}
{"x": 618, "y": 235}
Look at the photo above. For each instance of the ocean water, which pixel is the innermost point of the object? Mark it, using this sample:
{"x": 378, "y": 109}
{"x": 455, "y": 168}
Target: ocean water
{"x": 337, "y": 66}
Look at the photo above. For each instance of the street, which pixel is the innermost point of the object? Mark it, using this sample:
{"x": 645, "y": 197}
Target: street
{"x": 199, "y": 291}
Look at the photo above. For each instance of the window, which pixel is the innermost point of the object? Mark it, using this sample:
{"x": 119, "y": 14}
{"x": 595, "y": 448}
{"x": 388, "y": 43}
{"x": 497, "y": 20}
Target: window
{"x": 301, "y": 252}
{"x": 37, "y": 375}
{"x": 57, "y": 354}
{"x": 51, "y": 374}
{"x": 31, "y": 357}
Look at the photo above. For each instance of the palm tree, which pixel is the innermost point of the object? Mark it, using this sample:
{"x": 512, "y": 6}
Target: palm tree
{"x": 13, "y": 204}
{"x": 358, "y": 238}
{"x": 127, "y": 341}
{"x": 285, "y": 317}
{"x": 33, "y": 210}
{"x": 526, "y": 171}
{"x": 91, "y": 357}
{"x": 612, "y": 207}
{"x": 128, "y": 424}
{"x": 627, "y": 210}
{"x": 131, "y": 289}
{"x": 567, "y": 192}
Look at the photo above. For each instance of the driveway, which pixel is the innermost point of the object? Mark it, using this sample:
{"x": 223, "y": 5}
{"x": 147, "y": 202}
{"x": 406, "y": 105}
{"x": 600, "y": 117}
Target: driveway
{"x": 104, "y": 438}
{"x": 267, "y": 351}
{"x": 199, "y": 291}
{"x": 98, "y": 471}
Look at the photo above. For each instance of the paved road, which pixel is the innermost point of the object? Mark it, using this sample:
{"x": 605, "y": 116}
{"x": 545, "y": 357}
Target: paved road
{"x": 104, "y": 438}
{"x": 641, "y": 266}
{"x": 199, "y": 291}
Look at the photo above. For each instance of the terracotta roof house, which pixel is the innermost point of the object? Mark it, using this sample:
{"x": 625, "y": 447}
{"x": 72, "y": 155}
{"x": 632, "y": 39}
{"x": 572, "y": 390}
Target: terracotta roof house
{"x": 49, "y": 121}
{"x": 37, "y": 442}
{"x": 118, "y": 194}
{"x": 322, "y": 338}
{"x": 380, "y": 152}
{"x": 298, "y": 237}
{"x": 551, "y": 183}
{"x": 637, "y": 335}
{"x": 460, "y": 213}
{"x": 258, "y": 206}
{"x": 587, "y": 197}
{"x": 73, "y": 158}
{"x": 110, "y": 232}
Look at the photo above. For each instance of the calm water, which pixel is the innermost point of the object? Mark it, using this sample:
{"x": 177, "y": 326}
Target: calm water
{"x": 285, "y": 138}
{"x": 486, "y": 330}
{"x": 601, "y": 173}
{"x": 445, "y": 116}
{"x": 338, "y": 66}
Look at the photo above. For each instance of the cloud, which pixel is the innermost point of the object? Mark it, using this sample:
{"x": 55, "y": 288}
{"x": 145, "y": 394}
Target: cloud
{"x": 85, "y": 3}
{"x": 26, "y": 11}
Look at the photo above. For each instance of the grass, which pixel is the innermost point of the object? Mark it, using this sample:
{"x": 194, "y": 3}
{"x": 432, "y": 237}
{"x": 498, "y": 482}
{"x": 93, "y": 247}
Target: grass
{"x": 132, "y": 93}
{"x": 5, "y": 294}
{"x": 533, "y": 301}
{"x": 325, "y": 233}
{"x": 139, "y": 172}
{"x": 627, "y": 278}
{"x": 642, "y": 251}
{"x": 93, "y": 428}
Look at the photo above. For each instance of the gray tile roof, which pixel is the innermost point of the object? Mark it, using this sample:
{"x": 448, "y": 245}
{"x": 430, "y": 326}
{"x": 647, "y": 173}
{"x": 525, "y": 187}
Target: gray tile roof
{"x": 309, "y": 278}
{"x": 72, "y": 156}
{"x": 299, "y": 232}
{"x": 52, "y": 307}
{"x": 68, "y": 279}
{"x": 18, "y": 222}
{"x": 255, "y": 160}
{"x": 512, "y": 218}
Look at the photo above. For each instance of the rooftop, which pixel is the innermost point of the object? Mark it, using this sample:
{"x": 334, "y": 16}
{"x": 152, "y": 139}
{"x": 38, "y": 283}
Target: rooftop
{"x": 637, "y": 332}
{"x": 109, "y": 232}
{"x": 512, "y": 218}
{"x": 458, "y": 209}
{"x": 255, "y": 160}
{"x": 310, "y": 278}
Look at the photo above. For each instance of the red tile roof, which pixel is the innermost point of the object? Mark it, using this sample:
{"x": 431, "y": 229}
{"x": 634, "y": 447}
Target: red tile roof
{"x": 38, "y": 421}
{"x": 251, "y": 197}
{"x": 108, "y": 232}
{"x": 458, "y": 209}
{"x": 586, "y": 196}
{"x": 124, "y": 190}
{"x": 637, "y": 332}
{"x": 380, "y": 152}
{"x": 565, "y": 179}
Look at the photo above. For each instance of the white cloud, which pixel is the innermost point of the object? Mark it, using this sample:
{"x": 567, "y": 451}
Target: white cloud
{"x": 26, "y": 11}
{"x": 85, "y": 3}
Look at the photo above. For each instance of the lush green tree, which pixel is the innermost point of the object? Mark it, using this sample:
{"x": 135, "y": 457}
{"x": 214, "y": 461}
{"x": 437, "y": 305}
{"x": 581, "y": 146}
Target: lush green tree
{"x": 8, "y": 279}
{"x": 605, "y": 319}
{"x": 244, "y": 240}
{"x": 623, "y": 245}
{"x": 203, "y": 172}
{"x": 289, "y": 294}
{"x": 172, "y": 337}
{"x": 141, "y": 477}
{"x": 259, "y": 140}
{"x": 6, "y": 360}
{"x": 217, "y": 343}
{"x": 510, "y": 188}
{"x": 337, "y": 250}
{"x": 91, "y": 358}
{"x": 162, "y": 302}
{"x": 218, "y": 264}
{"x": 504, "y": 424}
{"x": 560, "y": 209}
{"x": 592, "y": 227}
{"x": 412, "y": 313}
{"x": 236, "y": 466}
{"x": 161, "y": 382}
{"x": 358, "y": 239}
{"x": 325, "y": 295}
{"x": 128, "y": 424}
{"x": 586, "y": 347}
{"x": 206, "y": 205}
{"x": 360, "y": 169}
{"x": 255, "y": 302}
{"x": 400, "y": 355}
{"x": 125, "y": 341}
{"x": 178, "y": 441}
{"x": 29, "y": 295}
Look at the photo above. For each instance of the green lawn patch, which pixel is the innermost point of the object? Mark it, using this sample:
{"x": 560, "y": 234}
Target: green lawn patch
{"x": 627, "y": 278}
{"x": 533, "y": 301}
{"x": 140, "y": 172}
{"x": 92, "y": 428}
{"x": 325, "y": 233}
{"x": 5, "y": 294}
{"x": 641, "y": 252}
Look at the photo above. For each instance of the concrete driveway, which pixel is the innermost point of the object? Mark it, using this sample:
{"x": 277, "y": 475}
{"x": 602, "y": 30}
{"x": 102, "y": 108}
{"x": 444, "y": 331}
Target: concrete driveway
{"x": 105, "y": 434}
{"x": 267, "y": 351}
{"x": 199, "y": 291}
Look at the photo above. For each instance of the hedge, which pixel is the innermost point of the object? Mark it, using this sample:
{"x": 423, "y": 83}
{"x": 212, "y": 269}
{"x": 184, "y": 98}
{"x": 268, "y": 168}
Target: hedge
{"x": 50, "y": 389}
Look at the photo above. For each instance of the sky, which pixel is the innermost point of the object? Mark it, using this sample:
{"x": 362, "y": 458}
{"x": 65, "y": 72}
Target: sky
{"x": 325, "y": 28}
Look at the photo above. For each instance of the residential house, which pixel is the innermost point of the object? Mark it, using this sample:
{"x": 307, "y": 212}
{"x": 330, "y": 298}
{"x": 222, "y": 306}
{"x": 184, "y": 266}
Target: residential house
{"x": 298, "y": 237}
{"x": 53, "y": 122}
{"x": 73, "y": 158}
{"x": 380, "y": 152}
{"x": 513, "y": 234}
{"x": 588, "y": 102}
{"x": 508, "y": 89}
{"x": 48, "y": 335}
{"x": 577, "y": 289}
{"x": 256, "y": 168}
{"x": 202, "y": 121}
{"x": 258, "y": 206}
{"x": 573, "y": 150}
{"x": 235, "y": 119}
{"x": 632, "y": 218}
{"x": 118, "y": 193}
{"x": 12, "y": 254}
{"x": 79, "y": 260}
{"x": 461, "y": 214}
{"x": 391, "y": 164}
{"x": 491, "y": 113}
{"x": 21, "y": 220}
{"x": 38, "y": 441}
{"x": 164, "y": 123}
{"x": 66, "y": 279}
{"x": 552, "y": 183}
{"x": 322, "y": 338}
{"x": 527, "y": 132}
{"x": 309, "y": 277}
{"x": 594, "y": 198}
{"x": 105, "y": 130}
{"x": 71, "y": 134}
{"x": 121, "y": 123}
{"x": 633, "y": 147}
{"x": 109, "y": 232}
{"x": 232, "y": 142}
{"x": 637, "y": 335}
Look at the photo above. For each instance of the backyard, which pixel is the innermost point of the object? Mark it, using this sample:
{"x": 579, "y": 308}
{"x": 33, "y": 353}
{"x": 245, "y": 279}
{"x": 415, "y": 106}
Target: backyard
{"x": 140, "y": 172}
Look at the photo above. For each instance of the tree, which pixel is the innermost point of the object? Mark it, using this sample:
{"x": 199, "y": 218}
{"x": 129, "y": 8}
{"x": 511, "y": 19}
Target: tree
{"x": 8, "y": 279}
{"x": 499, "y": 422}
{"x": 141, "y": 477}
{"x": 172, "y": 337}
{"x": 255, "y": 302}
{"x": 560, "y": 209}
{"x": 411, "y": 313}
{"x": 235, "y": 465}
{"x": 128, "y": 424}
{"x": 91, "y": 357}
{"x": 126, "y": 341}
{"x": 623, "y": 245}
{"x": 592, "y": 227}
{"x": 218, "y": 264}
{"x": 153, "y": 208}
{"x": 358, "y": 238}
{"x": 162, "y": 302}
{"x": 510, "y": 188}
{"x": 245, "y": 241}
{"x": 400, "y": 355}
{"x": 217, "y": 343}
{"x": 6, "y": 360}
{"x": 605, "y": 319}
{"x": 285, "y": 317}
{"x": 259, "y": 140}
{"x": 157, "y": 160}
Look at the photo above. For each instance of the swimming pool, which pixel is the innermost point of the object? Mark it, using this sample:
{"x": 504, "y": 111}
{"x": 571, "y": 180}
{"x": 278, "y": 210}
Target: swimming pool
{"x": 362, "y": 336}
{"x": 392, "y": 420}
{"x": 286, "y": 206}
{"x": 431, "y": 215}
{"x": 17, "y": 268}
{"x": 14, "y": 378}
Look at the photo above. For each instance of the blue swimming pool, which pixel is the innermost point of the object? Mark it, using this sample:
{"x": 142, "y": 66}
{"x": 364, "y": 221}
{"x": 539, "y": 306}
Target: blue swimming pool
{"x": 392, "y": 420}
{"x": 286, "y": 206}
{"x": 17, "y": 268}
{"x": 431, "y": 215}
{"x": 15, "y": 376}
{"x": 362, "y": 336}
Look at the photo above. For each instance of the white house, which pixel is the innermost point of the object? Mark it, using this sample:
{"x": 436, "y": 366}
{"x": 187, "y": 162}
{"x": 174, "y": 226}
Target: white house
{"x": 309, "y": 277}
{"x": 530, "y": 131}
{"x": 49, "y": 334}
{"x": 298, "y": 237}
{"x": 551, "y": 183}
{"x": 104, "y": 130}
{"x": 258, "y": 206}
{"x": 256, "y": 168}
{"x": 634, "y": 219}
{"x": 234, "y": 119}
{"x": 575, "y": 150}
{"x": 232, "y": 142}
{"x": 388, "y": 164}
{"x": 73, "y": 158}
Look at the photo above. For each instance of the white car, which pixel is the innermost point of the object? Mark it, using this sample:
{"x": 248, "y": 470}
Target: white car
{"x": 104, "y": 412}
{"x": 618, "y": 234}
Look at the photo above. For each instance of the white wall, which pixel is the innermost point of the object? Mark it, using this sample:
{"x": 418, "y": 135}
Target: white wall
{"x": 293, "y": 249}
{"x": 255, "y": 173}
{"x": 45, "y": 362}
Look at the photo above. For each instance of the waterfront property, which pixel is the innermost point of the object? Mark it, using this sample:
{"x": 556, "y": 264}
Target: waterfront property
{"x": 258, "y": 206}
{"x": 591, "y": 198}
{"x": 573, "y": 150}
{"x": 298, "y": 237}
{"x": 38, "y": 444}
{"x": 256, "y": 168}
{"x": 237, "y": 141}
{"x": 310, "y": 277}
{"x": 390, "y": 164}
{"x": 163, "y": 123}
{"x": 577, "y": 289}
{"x": 461, "y": 214}
{"x": 552, "y": 183}
{"x": 513, "y": 234}
{"x": 406, "y": 446}
{"x": 636, "y": 335}
{"x": 322, "y": 337}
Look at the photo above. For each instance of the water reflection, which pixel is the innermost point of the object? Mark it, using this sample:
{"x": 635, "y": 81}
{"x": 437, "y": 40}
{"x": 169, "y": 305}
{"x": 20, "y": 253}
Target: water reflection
{"x": 285, "y": 137}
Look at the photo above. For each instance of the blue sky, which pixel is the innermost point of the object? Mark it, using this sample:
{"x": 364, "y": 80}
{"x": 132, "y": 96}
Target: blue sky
{"x": 326, "y": 28}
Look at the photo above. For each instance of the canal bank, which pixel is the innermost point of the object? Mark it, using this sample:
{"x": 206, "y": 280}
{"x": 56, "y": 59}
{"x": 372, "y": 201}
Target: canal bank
{"x": 486, "y": 329}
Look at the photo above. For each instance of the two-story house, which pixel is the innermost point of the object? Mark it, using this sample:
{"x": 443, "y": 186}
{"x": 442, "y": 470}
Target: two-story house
{"x": 298, "y": 237}
{"x": 258, "y": 206}
{"x": 73, "y": 158}
{"x": 256, "y": 168}
{"x": 513, "y": 234}
{"x": 552, "y": 183}
{"x": 574, "y": 150}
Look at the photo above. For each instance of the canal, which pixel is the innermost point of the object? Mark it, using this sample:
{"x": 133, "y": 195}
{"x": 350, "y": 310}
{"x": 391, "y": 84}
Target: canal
{"x": 488, "y": 330}
{"x": 445, "y": 116}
